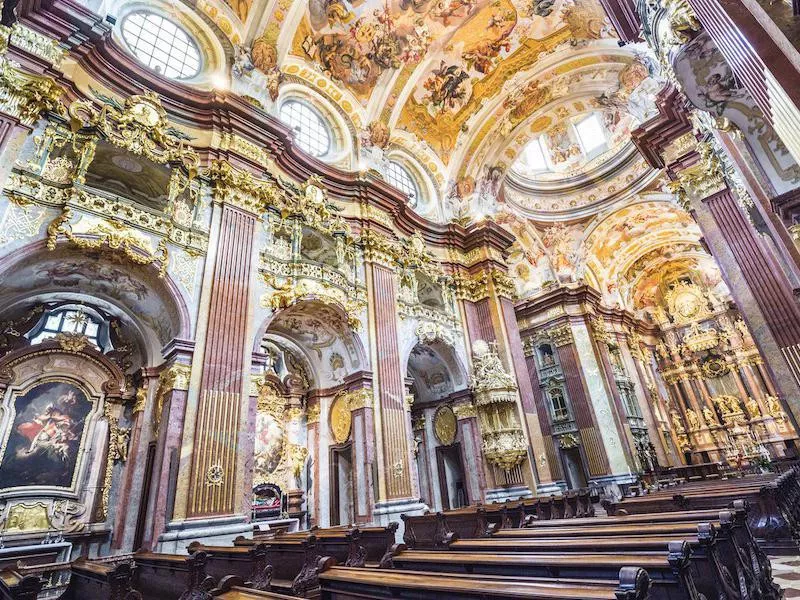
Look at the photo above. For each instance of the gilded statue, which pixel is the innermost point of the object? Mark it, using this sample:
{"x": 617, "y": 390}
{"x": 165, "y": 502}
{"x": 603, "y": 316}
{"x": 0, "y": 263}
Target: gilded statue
{"x": 677, "y": 424}
{"x": 752, "y": 408}
{"x": 774, "y": 407}
{"x": 710, "y": 416}
{"x": 693, "y": 419}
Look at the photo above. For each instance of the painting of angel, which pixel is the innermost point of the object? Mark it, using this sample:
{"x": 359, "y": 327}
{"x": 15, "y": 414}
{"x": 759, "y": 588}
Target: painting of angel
{"x": 45, "y": 437}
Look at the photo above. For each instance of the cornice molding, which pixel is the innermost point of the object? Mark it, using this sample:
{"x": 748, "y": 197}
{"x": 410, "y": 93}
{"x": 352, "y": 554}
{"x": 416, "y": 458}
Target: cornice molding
{"x": 671, "y": 123}
{"x": 89, "y": 43}
{"x": 585, "y": 297}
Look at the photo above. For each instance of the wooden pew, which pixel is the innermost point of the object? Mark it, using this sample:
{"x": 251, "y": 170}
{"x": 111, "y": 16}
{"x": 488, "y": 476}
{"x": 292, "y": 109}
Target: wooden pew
{"x": 437, "y": 530}
{"x": 670, "y": 572}
{"x": 101, "y": 581}
{"x": 14, "y": 586}
{"x": 233, "y": 588}
{"x": 774, "y": 515}
{"x": 169, "y": 576}
{"x": 352, "y": 546}
{"x": 250, "y": 563}
{"x": 342, "y": 583}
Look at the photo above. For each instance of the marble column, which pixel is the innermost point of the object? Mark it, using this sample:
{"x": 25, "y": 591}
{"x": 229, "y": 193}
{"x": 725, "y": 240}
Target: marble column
{"x": 762, "y": 59}
{"x": 166, "y": 415}
{"x": 213, "y": 488}
{"x": 591, "y": 440}
{"x": 363, "y": 428}
{"x": 543, "y": 414}
{"x": 395, "y": 486}
{"x": 763, "y": 294}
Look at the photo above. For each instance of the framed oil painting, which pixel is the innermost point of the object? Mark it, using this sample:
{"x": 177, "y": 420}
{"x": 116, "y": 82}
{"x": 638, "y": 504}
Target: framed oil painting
{"x": 44, "y": 440}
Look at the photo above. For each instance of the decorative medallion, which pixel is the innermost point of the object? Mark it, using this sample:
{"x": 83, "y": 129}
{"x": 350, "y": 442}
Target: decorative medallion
{"x": 341, "y": 419}
{"x": 445, "y": 425}
{"x": 215, "y": 475}
{"x": 687, "y": 302}
{"x": 714, "y": 367}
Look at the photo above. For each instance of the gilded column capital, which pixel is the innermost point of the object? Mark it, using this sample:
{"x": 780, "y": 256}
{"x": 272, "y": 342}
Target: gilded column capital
{"x": 312, "y": 413}
{"x": 379, "y": 249}
{"x": 560, "y": 335}
{"x": 599, "y": 329}
{"x": 465, "y": 410}
{"x": 241, "y": 189}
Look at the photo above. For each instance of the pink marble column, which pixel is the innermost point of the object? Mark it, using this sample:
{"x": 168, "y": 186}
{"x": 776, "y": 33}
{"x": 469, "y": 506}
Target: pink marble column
{"x": 363, "y": 427}
{"x": 543, "y": 414}
{"x": 767, "y": 283}
{"x": 584, "y": 416}
{"x": 217, "y": 433}
{"x": 391, "y": 387}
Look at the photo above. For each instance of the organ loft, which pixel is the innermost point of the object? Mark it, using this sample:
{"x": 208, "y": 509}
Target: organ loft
{"x": 408, "y": 299}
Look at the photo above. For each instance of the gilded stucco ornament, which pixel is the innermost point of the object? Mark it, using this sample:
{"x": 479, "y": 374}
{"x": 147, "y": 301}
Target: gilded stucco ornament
{"x": 429, "y": 332}
{"x": 118, "y": 439}
{"x": 138, "y": 125}
{"x": 27, "y": 517}
{"x": 682, "y": 21}
{"x": 445, "y": 425}
{"x": 290, "y": 291}
{"x": 341, "y": 419}
{"x": 108, "y": 236}
{"x": 27, "y": 96}
{"x": 495, "y": 393}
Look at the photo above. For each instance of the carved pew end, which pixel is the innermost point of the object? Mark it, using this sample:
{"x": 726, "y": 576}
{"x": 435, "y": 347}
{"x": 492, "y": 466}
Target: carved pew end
{"x": 634, "y": 584}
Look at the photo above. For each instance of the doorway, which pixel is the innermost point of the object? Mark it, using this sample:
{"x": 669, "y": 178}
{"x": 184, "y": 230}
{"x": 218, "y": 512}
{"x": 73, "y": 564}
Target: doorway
{"x": 341, "y": 489}
{"x": 452, "y": 481}
{"x": 573, "y": 468}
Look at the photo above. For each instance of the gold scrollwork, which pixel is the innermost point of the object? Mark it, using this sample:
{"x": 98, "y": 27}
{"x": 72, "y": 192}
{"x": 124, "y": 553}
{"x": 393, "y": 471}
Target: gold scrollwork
{"x": 28, "y": 96}
{"x": 138, "y": 125}
{"x": 109, "y": 235}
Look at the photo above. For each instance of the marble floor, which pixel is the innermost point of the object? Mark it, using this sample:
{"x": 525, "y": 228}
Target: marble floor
{"x": 786, "y": 572}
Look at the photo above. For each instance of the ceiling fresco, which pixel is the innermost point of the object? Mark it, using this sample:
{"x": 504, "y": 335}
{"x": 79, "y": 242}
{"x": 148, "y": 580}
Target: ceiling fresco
{"x": 464, "y": 87}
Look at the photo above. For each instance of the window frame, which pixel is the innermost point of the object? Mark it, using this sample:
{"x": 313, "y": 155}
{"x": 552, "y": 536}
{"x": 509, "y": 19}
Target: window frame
{"x": 134, "y": 49}
{"x": 324, "y": 122}
{"x": 43, "y": 331}
{"x": 413, "y": 201}
{"x": 597, "y": 150}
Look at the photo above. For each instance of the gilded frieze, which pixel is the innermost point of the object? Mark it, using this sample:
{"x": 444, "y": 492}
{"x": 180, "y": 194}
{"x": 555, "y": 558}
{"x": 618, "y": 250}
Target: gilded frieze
{"x": 108, "y": 236}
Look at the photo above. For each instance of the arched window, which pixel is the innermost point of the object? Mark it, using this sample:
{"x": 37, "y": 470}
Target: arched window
{"x": 71, "y": 320}
{"x": 399, "y": 177}
{"x": 311, "y": 132}
{"x": 161, "y": 45}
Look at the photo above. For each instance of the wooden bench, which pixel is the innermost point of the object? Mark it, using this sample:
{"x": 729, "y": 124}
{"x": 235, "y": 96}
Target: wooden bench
{"x": 352, "y": 546}
{"x": 342, "y": 583}
{"x": 15, "y": 586}
{"x": 669, "y": 572}
{"x": 247, "y": 562}
{"x": 170, "y": 576}
{"x": 437, "y": 530}
{"x": 774, "y": 515}
{"x": 101, "y": 581}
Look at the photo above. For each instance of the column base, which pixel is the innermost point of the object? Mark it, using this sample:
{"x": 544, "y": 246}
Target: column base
{"x": 214, "y": 531}
{"x": 508, "y": 493}
{"x": 389, "y": 511}
{"x": 554, "y": 487}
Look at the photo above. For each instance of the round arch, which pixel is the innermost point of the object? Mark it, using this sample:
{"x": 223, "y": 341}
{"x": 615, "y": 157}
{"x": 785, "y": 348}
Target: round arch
{"x": 151, "y": 306}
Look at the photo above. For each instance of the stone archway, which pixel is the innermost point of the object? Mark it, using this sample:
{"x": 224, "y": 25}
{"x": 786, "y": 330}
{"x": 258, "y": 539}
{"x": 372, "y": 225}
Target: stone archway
{"x": 313, "y": 363}
{"x": 446, "y": 436}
